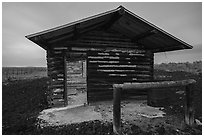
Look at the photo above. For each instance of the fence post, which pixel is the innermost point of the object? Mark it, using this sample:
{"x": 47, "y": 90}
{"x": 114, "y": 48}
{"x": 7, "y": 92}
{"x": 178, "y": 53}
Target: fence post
{"x": 116, "y": 109}
{"x": 189, "y": 107}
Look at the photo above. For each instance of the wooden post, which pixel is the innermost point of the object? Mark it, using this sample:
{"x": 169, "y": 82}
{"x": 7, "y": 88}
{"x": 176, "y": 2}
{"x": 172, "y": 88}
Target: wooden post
{"x": 149, "y": 99}
{"x": 116, "y": 109}
{"x": 65, "y": 81}
{"x": 189, "y": 107}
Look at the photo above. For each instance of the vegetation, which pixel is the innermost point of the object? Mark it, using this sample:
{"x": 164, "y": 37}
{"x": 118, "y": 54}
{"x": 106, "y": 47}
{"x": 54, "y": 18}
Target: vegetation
{"x": 195, "y": 67}
{"x": 19, "y": 73}
{"x": 23, "y": 100}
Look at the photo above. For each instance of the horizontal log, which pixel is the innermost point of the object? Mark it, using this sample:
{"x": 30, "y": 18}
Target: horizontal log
{"x": 115, "y": 69}
{"x": 118, "y": 80}
{"x": 55, "y": 86}
{"x": 76, "y": 81}
{"x": 56, "y": 71}
{"x": 58, "y": 91}
{"x": 56, "y": 82}
{"x": 120, "y": 59}
{"x": 95, "y": 71}
{"x": 109, "y": 78}
{"x": 117, "y": 51}
{"x": 56, "y": 75}
{"x": 54, "y": 58}
{"x": 57, "y": 96}
{"x": 119, "y": 63}
{"x": 58, "y": 79}
{"x": 60, "y": 48}
{"x": 92, "y": 50}
{"x": 53, "y": 55}
{"x": 118, "y": 54}
{"x": 54, "y": 64}
{"x": 150, "y": 85}
{"x": 119, "y": 66}
{"x": 52, "y": 68}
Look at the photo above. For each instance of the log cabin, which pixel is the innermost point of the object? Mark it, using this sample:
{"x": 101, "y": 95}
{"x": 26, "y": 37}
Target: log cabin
{"x": 86, "y": 57}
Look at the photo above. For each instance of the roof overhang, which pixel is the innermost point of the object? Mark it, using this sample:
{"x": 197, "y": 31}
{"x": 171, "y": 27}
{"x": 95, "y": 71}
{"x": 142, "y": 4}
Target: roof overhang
{"x": 120, "y": 20}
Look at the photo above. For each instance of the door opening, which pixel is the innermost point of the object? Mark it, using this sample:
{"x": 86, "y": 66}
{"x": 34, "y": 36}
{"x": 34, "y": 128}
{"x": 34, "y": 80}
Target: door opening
{"x": 76, "y": 79}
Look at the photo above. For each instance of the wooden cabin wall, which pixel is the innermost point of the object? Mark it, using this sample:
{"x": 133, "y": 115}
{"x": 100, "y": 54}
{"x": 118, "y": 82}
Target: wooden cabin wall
{"x": 55, "y": 65}
{"x": 111, "y": 58}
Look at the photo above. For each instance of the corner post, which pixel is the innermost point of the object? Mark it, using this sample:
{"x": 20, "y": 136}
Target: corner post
{"x": 65, "y": 80}
{"x": 116, "y": 109}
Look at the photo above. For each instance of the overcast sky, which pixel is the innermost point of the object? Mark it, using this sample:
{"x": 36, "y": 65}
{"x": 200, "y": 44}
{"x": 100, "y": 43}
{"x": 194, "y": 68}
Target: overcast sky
{"x": 183, "y": 20}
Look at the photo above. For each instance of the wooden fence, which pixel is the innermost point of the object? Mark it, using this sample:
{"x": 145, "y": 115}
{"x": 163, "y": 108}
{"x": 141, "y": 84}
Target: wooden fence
{"x": 118, "y": 88}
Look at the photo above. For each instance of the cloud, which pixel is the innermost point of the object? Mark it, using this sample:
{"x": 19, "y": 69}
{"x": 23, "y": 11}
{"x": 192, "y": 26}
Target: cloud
{"x": 183, "y": 20}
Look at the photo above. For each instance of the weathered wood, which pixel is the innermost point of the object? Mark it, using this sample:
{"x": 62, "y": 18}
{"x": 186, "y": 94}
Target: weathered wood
{"x": 119, "y": 76}
{"x": 57, "y": 82}
{"x": 118, "y": 88}
{"x": 116, "y": 110}
{"x": 114, "y": 59}
{"x": 119, "y": 67}
{"x": 65, "y": 82}
{"x": 56, "y": 86}
{"x": 150, "y": 85}
{"x": 116, "y": 80}
{"x": 93, "y": 71}
{"x": 105, "y": 50}
{"x": 120, "y": 62}
{"x": 189, "y": 107}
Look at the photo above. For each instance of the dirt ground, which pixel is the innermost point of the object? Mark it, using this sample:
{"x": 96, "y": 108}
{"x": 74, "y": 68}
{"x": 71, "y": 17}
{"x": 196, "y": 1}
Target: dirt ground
{"x": 133, "y": 112}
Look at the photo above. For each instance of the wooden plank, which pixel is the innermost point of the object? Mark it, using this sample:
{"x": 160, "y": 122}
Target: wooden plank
{"x": 57, "y": 82}
{"x": 56, "y": 86}
{"x": 121, "y": 67}
{"x": 95, "y": 71}
{"x": 116, "y": 110}
{"x": 106, "y": 50}
{"x": 120, "y": 59}
{"x": 118, "y": 76}
{"x": 189, "y": 106}
{"x": 59, "y": 68}
{"x": 118, "y": 53}
{"x": 57, "y": 96}
{"x": 119, "y": 63}
{"x": 117, "y": 80}
{"x": 148, "y": 85}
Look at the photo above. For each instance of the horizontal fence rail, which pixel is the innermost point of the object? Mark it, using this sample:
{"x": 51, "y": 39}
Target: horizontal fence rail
{"x": 118, "y": 88}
